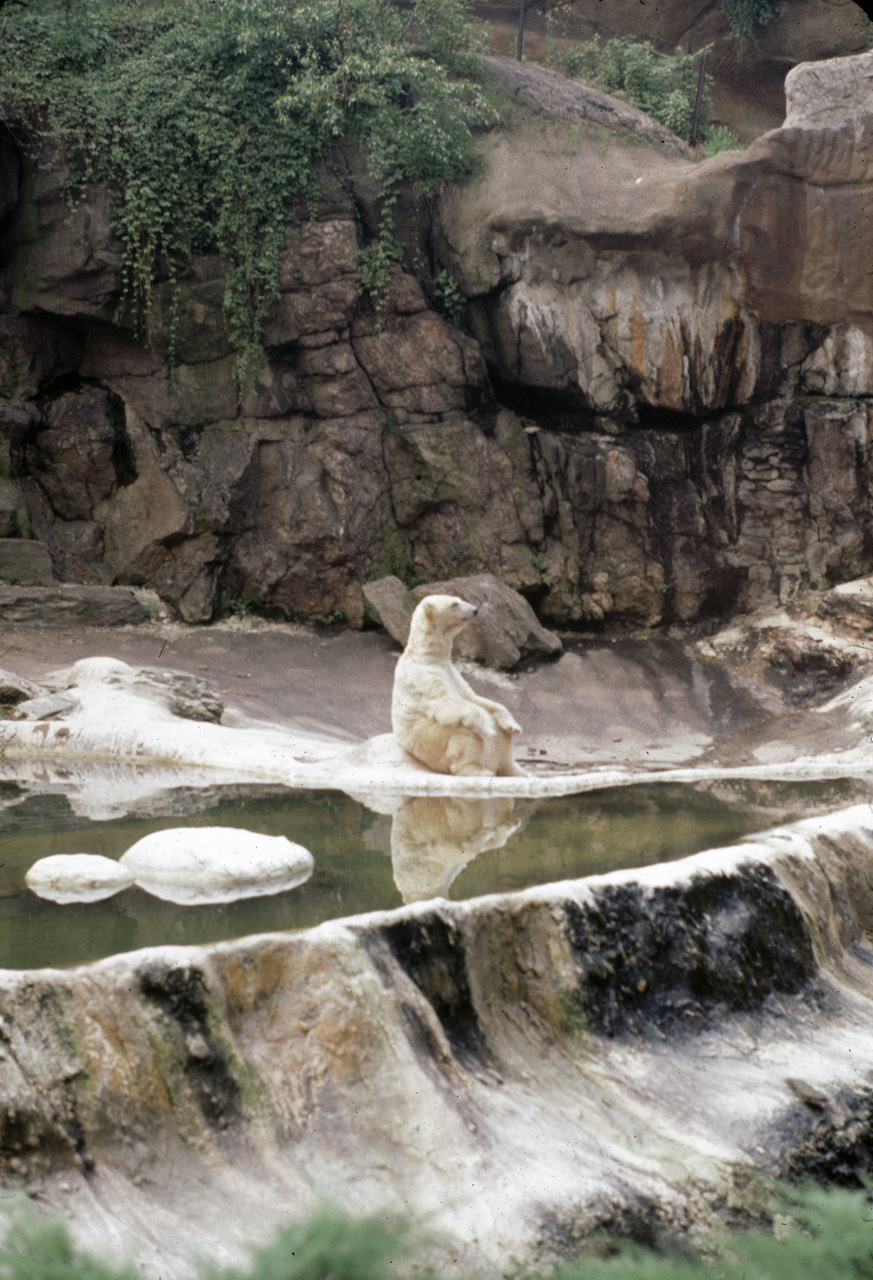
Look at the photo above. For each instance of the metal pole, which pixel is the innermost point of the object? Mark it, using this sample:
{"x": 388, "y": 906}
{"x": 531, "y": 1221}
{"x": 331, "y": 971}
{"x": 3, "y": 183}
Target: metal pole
{"x": 520, "y": 37}
{"x": 695, "y": 122}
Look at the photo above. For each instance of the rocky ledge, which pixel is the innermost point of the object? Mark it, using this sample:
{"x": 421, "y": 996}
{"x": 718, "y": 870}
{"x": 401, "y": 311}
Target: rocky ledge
{"x": 520, "y": 1069}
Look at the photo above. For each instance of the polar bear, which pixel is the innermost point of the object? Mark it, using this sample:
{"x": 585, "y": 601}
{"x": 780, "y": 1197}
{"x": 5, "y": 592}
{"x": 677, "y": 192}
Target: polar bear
{"x": 435, "y": 714}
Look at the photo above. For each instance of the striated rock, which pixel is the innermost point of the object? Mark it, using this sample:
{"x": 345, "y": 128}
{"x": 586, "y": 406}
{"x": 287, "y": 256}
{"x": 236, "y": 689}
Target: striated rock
{"x": 190, "y": 697}
{"x": 809, "y": 668}
{"x": 851, "y": 604}
{"x": 60, "y": 605}
{"x": 25, "y": 563}
{"x": 685, "y": 350}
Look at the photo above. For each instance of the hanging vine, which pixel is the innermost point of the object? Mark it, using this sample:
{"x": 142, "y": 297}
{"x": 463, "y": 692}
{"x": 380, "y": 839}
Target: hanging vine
{"x": 205, "y": 119}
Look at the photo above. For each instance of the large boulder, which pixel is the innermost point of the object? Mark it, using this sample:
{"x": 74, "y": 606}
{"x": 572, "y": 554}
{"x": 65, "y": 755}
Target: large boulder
{"x": 850, "y": 605}
{"x": 505, "y": 631}
{"x": 196, "y": 865}
{"x": 62, "y": 604}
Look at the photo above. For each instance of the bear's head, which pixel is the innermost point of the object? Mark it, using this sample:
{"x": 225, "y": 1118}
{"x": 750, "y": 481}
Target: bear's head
{"x": 439, "y": 617}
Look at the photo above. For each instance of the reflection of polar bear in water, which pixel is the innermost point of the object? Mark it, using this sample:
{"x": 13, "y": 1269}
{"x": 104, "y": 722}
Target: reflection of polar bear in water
{"x": 435, "y": 714}
{"x": 434, "y": 837}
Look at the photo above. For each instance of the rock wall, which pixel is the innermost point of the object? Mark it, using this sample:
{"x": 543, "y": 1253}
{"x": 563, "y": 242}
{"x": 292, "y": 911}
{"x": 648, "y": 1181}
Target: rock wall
{"x": 701, "y": 335}
{"x": 685, "y": 350}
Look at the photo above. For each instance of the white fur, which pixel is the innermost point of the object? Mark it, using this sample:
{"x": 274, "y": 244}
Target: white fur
{"x": 435, "y": 714}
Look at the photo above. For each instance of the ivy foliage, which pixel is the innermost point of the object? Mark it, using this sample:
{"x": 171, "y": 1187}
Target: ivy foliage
{"x": 747, "y": 17}
{"x": 664, "y": 85}
{"x": 204, "y": 119}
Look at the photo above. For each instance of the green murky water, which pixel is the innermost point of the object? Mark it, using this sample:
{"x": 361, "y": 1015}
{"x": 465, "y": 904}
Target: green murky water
{"x": 366, "y": 861}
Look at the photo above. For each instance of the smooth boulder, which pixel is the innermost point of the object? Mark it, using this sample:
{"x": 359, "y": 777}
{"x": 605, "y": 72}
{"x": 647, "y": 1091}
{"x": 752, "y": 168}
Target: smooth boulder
{"x": 197, "y": 865}
{"x": 77, "y": 877}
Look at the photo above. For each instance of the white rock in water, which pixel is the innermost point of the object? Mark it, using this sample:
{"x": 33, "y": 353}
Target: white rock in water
{"x": 77, "y": 877}
{"x": 197, "y": 865}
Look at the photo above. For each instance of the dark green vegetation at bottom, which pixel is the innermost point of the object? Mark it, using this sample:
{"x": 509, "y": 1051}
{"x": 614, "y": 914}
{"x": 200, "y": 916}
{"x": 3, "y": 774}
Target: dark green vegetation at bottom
{"x": 814, "y": 1233}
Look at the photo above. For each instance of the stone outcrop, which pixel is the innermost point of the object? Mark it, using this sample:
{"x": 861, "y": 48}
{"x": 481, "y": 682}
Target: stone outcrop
{"x": 702, "y": 336}
{"x": 517, "y": 1071}
{"x": 60, "y": 605}
{"x": 685, "y": 350}
{"x": 504, "y": 632}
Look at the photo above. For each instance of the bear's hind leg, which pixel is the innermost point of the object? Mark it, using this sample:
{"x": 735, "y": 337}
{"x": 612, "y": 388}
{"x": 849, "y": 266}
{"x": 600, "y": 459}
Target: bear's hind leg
{"x": 464, "y": 755}
{"x": 506, "y": 766}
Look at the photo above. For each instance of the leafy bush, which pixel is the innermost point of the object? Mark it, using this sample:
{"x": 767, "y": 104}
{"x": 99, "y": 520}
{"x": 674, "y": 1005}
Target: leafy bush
{"x": 748, "y": 17}
{"x": 39, "y": 1248}
{"x": 721, "y": 138}
{"x": 662, "y": 84}
{"x": 204, "y": 119}
{"x": 329, "y": 1246}
{"x": 816, "y": 1233}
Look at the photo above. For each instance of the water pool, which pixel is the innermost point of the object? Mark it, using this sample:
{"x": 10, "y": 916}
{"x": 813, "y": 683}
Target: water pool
{"x": 364, "y": 860}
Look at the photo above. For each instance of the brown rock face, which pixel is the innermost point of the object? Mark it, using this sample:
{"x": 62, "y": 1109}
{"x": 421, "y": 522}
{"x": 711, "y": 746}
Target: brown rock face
{"x": 685, "y": 350}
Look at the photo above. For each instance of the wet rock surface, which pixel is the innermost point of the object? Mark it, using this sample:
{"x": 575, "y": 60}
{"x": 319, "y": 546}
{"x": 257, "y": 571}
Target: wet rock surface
{"x": 496, "y": 1030}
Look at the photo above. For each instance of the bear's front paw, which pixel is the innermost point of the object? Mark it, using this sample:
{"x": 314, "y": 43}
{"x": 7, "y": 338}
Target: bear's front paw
{"x": 481, "y": 724}
{"x": 506, "y": 723}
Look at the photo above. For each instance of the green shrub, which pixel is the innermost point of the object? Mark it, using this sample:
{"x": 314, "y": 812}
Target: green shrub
{"x": 721, "y": 138}
{"x": 39, "y": 1248}
{"x": 329, "y": 1246}
{"x": 747, "y": 17}
{"x": 825, "y": 1234}
{"x": 204, "y": 119}
{"x": 662, "y": 84}
{"x": 816, "y": 1233}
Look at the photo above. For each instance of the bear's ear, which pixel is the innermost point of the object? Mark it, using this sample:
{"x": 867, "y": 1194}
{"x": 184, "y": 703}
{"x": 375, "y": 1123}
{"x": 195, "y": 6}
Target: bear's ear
{"x": 427, "y": 608}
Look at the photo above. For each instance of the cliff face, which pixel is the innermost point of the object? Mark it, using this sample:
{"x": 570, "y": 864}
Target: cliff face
{"x": 686, "y": 350}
